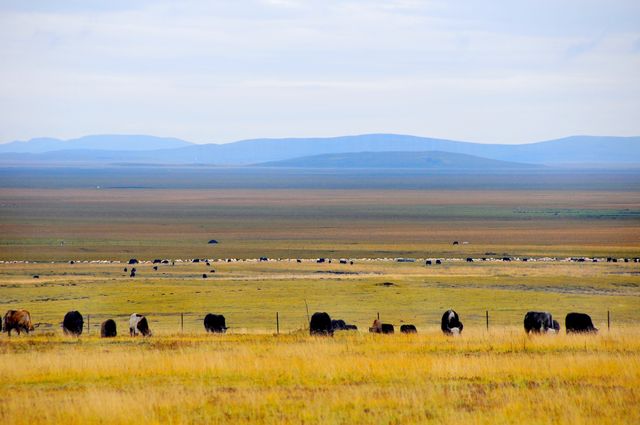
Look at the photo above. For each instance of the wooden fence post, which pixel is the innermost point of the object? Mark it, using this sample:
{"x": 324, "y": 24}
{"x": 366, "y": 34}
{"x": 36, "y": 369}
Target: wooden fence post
{"x": 608, "y": 320}
{"x": 378, "y": 315}
{"x": 277, "y": 324}
{"x": 182, "y": 322}
{"x": 487, "y": 316}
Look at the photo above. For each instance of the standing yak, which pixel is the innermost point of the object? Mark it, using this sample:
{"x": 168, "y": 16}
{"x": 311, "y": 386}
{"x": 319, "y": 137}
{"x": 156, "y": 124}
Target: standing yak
{"x": 450, "y": 323}
{"x": 539, "y": 322}
{"x": 20, "y": 320}
{"x": 108, "y": 329}
{"x": 320, "y": 324}
{"x": 73, "y": 323}
{"x": 138, "y": 325}
{"x": 215, "y": 323}
{"x": 579, "y": 323}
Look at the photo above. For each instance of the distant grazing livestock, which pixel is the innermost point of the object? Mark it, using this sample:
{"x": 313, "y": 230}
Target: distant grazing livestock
{"x": 133, "y": 261}
{"x": 556, "y": 327}
{"x": 264, "y": 259}
{"x": 20, "y": 320}
{"x": 195, "y": 260}
{"x": 320, "y": 324}
{"x": 35, "y": 276}
{"x": 138, "y": 325}
{"x": 538, "y": 322}
{"x": 351, "y": 263}
{"x": 204, "y": 275}
{"x": 73, "y": 323}
{"x": 341, "y": 325}
{"x": 133, "y": 272}
{"x": 506, "y": 259}
{"x": 408, "y": 329}
{"x": 320, "y": 260}
{"x": 438, "y": 262}
{"x": 450, "y": 323}
{"x": 157, "y": 261}
{"x": 469, "y": 260}
{"x": 125, "y": 270}
{"x": 208, "y": 264}
{"x": 165, "y": 261}
{"x": 298, "y": 261}
{"x": 155, "y": 268}
{"x": 427, "y": 263}
{"x": 579, "y": 323}
{"x": 213, "y": 241}
{"x": 108, "y": 329}
{"x": 215, "y": 323}
{"x": 343, "y": 261}
{"x": 455, "y": 242}
{"x": 381, "y": 328}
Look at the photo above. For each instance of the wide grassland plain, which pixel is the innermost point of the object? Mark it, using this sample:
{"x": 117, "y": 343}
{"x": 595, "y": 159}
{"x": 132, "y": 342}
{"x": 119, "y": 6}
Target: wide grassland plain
{"x": 181, "y": 375}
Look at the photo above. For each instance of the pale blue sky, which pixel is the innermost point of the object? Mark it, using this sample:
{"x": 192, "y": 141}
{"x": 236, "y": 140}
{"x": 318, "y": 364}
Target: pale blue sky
{"x": 488, "y": 71}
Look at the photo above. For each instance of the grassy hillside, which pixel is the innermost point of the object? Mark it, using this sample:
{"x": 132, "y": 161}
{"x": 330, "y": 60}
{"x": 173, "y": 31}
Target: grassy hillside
{"x": 433, "y": 160}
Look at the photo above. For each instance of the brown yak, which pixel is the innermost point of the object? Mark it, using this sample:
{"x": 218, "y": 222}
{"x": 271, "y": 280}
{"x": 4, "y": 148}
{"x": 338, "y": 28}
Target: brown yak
{"x": 20, "y": 320}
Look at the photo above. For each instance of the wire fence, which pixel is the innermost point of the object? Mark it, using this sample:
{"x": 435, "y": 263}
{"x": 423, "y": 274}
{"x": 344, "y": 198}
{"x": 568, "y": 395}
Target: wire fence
{"x": 277, "y": 322}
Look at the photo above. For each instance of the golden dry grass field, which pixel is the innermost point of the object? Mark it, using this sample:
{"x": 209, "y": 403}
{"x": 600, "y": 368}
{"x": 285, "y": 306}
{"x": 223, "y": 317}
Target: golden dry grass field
{"x": 250, "y": 375}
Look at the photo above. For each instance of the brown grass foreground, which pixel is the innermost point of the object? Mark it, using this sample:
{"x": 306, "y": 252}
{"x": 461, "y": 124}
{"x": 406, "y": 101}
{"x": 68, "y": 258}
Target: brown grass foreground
{"x": 501, "y": 377}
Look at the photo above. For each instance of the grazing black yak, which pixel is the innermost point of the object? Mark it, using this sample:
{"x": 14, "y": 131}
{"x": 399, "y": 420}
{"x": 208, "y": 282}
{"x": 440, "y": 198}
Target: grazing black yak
{"x": 320, "y": 324}
{"x": 579, "y": 323}
{"x": 538, "y": 322}
{"x": 108, "y": 329}
{"x": 215, "y": 323}
{"x": 408, "y": 329}
{"x": 73, "y": 323}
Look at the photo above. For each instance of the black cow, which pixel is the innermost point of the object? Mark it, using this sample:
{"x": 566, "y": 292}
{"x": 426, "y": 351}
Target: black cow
{"x": 204, "y": 275}
{"x": 438, "y": 262}
{"x": 556, "y": 326}
{"x": 579, "y": 323}
{"x": 155, "y": 268}
{"x": 157, "y": 261}
{"x": 343, "y": 261}
{"x": 338, "y": 325}
{"x": 455, "y": 242}
{"x": 469, "y": 260}
{"x": 408, "y": 329}
{"x": 506, "y": 259}
{"x": 341, "y": 325}
{"x": 427, "y": 263}
{"x": 320, "y": 324}
{"x": 133, "y": 261}
{"x": 215, "y": 323}
{"x": 264, "y": 259}
{"x": 133, "y": 272}
{"x": 450, "y": 323}
{"x": 320, "y": 260}
{"x": 108, "y": 329}
{"x": 538, "y": 321}
{"x": 73, "y": 323}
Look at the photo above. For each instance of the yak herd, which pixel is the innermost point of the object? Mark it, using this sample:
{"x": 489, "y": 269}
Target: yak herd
{"x": 320, "y": 324}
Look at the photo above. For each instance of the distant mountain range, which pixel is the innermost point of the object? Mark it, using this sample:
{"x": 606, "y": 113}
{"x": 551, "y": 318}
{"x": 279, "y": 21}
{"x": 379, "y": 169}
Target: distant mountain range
{"x": 401, "y": 152}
